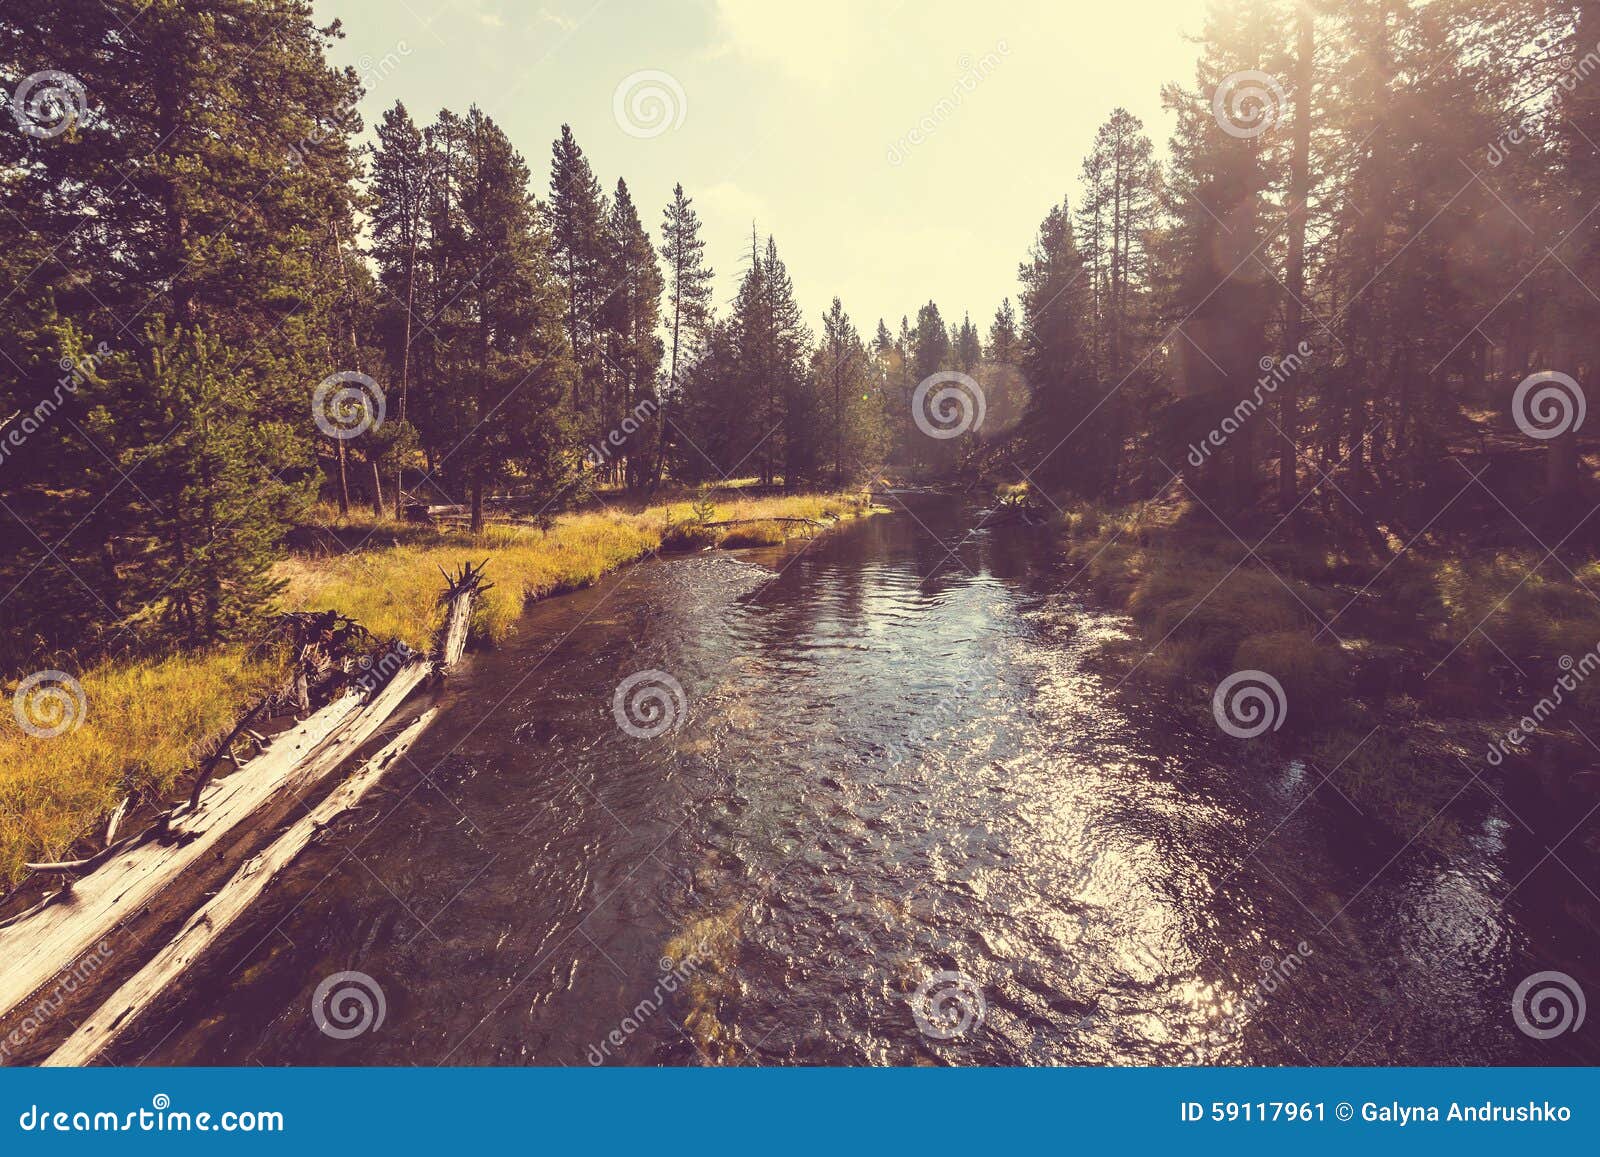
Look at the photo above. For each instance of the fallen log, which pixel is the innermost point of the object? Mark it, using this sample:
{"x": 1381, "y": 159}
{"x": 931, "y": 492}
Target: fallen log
{"x": 773, "y": 518}
{"x": 36, "y": 948}
{"x": 126, "y": 878}
{"x": 460, "y": 591}
{"x": 118, "y": 1015}
{"x": 225, "y": 748}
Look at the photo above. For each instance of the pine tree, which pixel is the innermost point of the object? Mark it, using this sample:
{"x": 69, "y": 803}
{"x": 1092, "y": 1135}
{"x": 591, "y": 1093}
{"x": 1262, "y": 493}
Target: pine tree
{"x": 1002, "y": 345}
{"x": 210, "y": 492}
{"x": 577, "y": 213}
{"x": 399, "y": 188}
{"x": 519, "y": 372}
{"x": 1004, "y": 388}
{"x": 689, "y": 282}
{"x": 442, "y": 348}
{"x": 785, "y": 370}
{"x": 883, "y": 340}
{"x": 719, "y": 430}
{"x": 1294, "y": 288}
{"x": 966, "y": 348}
{"x": 1121, "y": 186}
{"x": 630, "y": 316}
{"x": 1220, "y": 301}
{"x": 852, "y": 428}
{"x": 1063, "y": 414}
{"x": 188, "y": 212}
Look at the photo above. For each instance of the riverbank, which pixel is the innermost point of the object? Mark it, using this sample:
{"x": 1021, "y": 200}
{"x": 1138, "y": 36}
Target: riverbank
{"x": 145, "y": 722}
{"x": 889, "y": 766}
{"x": 1407, "y": 669}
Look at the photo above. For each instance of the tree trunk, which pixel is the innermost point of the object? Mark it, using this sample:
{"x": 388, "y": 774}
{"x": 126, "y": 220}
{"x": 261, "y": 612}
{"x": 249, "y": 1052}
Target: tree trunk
{"x": 1561, "y": 465}
{"x": 838, "y": 425}
{"x": 405, "y": 365}
{"x": 666, "y": 404}
{"x": 342, "y": 453}
{"x": 355, "y": 355}
{"x": 1299, "y": 192}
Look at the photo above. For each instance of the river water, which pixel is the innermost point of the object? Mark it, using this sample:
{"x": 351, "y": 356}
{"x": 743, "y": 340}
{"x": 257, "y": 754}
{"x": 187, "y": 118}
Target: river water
{"x": 895, "y": 759}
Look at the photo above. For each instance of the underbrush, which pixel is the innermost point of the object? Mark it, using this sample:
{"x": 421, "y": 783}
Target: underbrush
{"x": 1521, "y": 605}
{"x": 1363, "y": 644}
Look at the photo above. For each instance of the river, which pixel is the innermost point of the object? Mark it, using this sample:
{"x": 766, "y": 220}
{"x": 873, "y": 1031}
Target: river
{"x": 894, "y": 758}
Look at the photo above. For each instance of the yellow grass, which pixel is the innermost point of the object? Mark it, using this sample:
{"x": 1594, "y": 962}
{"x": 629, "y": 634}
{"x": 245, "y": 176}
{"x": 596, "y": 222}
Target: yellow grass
{"x": 394, "y": 590}
{"x": 140, "y": 726}
{"x": 145, "y": 720}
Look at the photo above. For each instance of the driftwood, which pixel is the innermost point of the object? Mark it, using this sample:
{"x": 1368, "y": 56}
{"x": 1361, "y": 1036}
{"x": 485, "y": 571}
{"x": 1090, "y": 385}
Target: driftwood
{"x": 225, "y": 748}
{"x": 122, "y": 880}
{"x": 324, "y": 640}
{"x": 115, "y": 821}
{"x": 37, "y": 948}
{"x": 117, "y": 1015}
{"x": 48, "y": 899}
{"x": 774, "y": 518}
{"x": 59, "y": 867}
{"x": 460, "y": 591}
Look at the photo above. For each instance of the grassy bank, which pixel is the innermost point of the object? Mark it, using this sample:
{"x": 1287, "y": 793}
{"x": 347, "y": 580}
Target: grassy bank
{"x": 1401, "y": 664}
{"x": 146, "y": 720}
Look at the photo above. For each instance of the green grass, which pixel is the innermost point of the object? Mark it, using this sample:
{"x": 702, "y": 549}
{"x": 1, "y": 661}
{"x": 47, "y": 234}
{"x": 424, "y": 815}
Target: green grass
{"x": 1528, "y": 606}
{"x": 1205, "y": 609}
{"x": 145, "y": 720}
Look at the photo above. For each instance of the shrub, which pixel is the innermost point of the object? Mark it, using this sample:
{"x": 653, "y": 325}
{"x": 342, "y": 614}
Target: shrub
{"x": 1394, "y": 786}
{"x": 1314, "y": 676}
{"x": 688, "y": 535}
{"x": 1530, "y": 608}
{"x": 1214, "y": 610}
{"x": 755, "y": 534}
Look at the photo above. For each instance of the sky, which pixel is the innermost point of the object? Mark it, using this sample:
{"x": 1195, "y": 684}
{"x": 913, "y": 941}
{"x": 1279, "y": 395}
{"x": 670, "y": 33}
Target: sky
{"x": 898, "y": 150}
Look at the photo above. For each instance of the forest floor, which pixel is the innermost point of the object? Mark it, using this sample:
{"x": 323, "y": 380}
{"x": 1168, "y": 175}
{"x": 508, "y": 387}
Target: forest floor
{"x": 150, "y": 719}
{"x": 1413, "y": 667}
